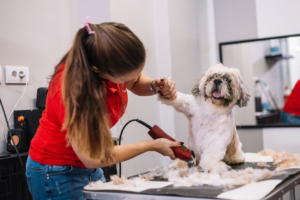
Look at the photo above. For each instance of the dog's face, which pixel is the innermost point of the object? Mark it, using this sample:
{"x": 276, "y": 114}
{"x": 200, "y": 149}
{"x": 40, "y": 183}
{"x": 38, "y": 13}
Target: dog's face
{"x": 222, "y": 86}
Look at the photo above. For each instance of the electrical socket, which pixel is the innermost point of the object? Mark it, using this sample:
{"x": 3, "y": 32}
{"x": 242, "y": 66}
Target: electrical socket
{"x": 16, "y": 75}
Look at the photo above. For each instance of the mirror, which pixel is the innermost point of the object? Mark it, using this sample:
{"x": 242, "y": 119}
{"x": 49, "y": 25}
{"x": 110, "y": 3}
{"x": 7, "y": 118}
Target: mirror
{"x": 270, "y": 68}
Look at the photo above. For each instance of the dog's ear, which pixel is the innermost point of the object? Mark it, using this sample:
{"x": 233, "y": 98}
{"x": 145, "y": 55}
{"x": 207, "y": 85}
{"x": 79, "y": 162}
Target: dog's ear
{"x": 196, "y": 90}
{"x": 244, "y": 96}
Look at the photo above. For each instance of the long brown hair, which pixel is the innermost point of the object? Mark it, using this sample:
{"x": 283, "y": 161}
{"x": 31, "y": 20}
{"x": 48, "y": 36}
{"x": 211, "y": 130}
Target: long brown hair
{"x": 114, "y": 50}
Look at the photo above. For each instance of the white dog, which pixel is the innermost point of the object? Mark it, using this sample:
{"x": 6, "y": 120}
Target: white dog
{"x": 212, "y": 130}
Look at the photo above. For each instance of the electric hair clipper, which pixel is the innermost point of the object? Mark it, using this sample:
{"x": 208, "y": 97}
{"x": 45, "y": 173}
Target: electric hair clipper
{"x": 182, "y": 152}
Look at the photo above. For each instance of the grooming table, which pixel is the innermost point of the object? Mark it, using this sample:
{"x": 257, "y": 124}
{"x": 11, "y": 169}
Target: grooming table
{"x": 289, "y": 181}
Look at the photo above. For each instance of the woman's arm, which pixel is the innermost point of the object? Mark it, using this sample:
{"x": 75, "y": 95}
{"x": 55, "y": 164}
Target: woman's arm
{"x": 126, "y": 152}
{"x": 141, "y": 87}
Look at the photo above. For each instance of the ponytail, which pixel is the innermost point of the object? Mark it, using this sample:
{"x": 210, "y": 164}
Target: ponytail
{"x": 113, "y": 50}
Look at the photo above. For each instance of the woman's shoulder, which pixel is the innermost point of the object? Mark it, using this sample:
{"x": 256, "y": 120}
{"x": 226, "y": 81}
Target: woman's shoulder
{"x": 298, "y": 84}
{"x": 55, "y": 85}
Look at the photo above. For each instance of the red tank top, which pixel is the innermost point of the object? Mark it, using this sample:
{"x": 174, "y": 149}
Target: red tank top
{"x": 48, "y": 146}
{"x": 292, "y": 104}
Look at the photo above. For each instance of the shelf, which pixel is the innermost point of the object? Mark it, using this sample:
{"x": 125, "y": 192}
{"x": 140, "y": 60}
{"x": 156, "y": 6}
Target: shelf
{"x": 278, "y": 56}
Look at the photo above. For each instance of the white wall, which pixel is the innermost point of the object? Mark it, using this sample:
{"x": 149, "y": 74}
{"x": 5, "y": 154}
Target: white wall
{"x": 37, "y": 35}
{"x": 34, "y": 34}
{"x": 251, "y": 139}
{"x": 98, "y": 10}
{"x": 240, "y": 56}
{"x": 207, "y": 36}
{"x": 163, "y": 61}
{"x": 294, "y": 64}
{"x": 142, "y": 22}
{"x": 185, "y": 53}
{"x": 241, "y": 20}
{"x": 277, "y": 17}
{"x": 258, "y": 139}
{"x": 235, "y": 20}
{"x": 282, "y": 139}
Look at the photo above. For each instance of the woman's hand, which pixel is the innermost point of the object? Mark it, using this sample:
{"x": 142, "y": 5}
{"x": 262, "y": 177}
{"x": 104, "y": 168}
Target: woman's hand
{"x": 168, "y": 90}
{"x": 163, "y": 146}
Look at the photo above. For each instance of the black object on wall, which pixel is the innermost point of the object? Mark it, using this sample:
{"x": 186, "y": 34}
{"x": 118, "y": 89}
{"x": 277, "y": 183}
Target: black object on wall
{"x": 12, "y": 180}
{"x": 20, "y": 137}
{"x": 41, "y": 96}
{"x": 110, "y": 170}
{"x": 31, "y": 121}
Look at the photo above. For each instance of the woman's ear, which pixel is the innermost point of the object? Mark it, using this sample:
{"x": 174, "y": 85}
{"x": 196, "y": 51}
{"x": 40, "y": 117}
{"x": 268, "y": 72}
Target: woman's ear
{"x": 244, "y": 96}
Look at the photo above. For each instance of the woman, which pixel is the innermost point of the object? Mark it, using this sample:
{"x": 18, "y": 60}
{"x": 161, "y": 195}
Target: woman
{"x": 86, "y": 97}
{"x": 290, "y": 113}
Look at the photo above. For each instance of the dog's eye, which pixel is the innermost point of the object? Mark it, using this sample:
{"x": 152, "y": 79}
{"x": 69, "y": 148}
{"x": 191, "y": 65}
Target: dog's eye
{"x": 227, "y": 78}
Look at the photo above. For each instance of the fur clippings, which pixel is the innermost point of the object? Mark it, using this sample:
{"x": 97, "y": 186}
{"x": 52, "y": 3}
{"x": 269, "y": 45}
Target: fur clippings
{"x": 117, "y": 180}
{"x": 188, "y": 177}
{"x": 146, "y": 177}
{"x": 132, "y": 182}
{"x": 95, "y": 183}
{"x": 262, "y": 164}
{"x": 283, "y": 159}
{"x": 123, "y": 182}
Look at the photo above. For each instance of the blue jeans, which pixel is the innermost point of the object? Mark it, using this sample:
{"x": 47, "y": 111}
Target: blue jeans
{"x": 59, "y": 182}
{"x": 287, "y": 118}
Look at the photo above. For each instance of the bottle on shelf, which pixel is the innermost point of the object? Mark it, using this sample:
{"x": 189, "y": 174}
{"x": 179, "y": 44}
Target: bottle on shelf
{"x": 286, "y": 93}
{"x": 258, "y": 104}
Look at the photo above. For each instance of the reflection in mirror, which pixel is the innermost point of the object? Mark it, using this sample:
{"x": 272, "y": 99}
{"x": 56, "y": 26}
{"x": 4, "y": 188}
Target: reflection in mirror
{"x": 271, "y": 70}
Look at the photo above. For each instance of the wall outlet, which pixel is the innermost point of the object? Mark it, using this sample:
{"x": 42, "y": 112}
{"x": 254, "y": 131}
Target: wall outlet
{"x": 16, "y": 75}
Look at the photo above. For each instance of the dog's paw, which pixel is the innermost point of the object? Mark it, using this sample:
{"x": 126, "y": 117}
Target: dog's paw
{"x": 218, "y": 167}
{"x": 160, "y": 98}
{"x": 236, "y": 158}
{"x": 164, "y": 100}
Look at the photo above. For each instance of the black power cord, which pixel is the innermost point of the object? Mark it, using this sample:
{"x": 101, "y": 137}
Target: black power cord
{"x": 137, "y": 120}
{"x": 12, "y": 137}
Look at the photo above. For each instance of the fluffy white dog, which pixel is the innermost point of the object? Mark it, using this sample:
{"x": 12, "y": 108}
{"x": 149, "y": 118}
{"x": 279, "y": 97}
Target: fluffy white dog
{"x": 210, "y": 114}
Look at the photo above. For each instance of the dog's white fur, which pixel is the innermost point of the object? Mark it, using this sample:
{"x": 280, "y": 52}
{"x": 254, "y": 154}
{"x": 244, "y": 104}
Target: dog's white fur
{"x": 212, "y": 130}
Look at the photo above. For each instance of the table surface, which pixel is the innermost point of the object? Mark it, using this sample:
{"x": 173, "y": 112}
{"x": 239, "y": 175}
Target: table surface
{"x": 12, "y": 157}
{"x": 290, "y": 180}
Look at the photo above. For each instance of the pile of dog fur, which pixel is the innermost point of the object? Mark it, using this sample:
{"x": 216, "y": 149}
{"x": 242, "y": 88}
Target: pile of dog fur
{"x": 132, "y": 182}
{"x": 282, "y": 159}
{"x": 183, "y": 176}
{"x": 123, "y": 182}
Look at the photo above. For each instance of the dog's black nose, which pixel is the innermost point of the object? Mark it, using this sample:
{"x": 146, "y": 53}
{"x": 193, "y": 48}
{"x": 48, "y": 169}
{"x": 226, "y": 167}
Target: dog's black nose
{"x": 217, "y": 81}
